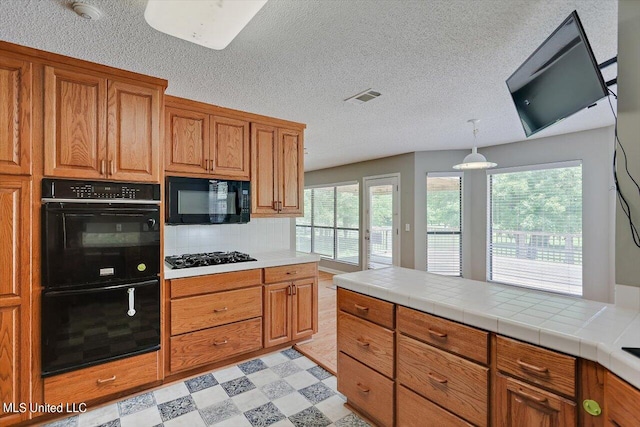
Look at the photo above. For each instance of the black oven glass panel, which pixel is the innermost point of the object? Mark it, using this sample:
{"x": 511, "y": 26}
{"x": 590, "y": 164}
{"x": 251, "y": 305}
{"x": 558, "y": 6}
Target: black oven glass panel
{"x": 85, "y": 327}
{"x": 207, "y": 201}
{"x": 87, "y": 244}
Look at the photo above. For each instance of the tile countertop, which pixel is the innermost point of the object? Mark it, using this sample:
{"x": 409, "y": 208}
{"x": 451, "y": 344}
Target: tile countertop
{"x": 264, "y": 259}
{"x": 588, "y": 329}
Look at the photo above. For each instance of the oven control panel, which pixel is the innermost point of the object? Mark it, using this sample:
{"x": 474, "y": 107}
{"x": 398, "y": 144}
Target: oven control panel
{"x": 73, "y": 189}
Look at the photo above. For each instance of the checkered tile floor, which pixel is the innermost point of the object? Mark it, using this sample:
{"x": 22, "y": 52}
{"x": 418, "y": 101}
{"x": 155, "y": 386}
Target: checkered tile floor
{"x": 279, "y": 389}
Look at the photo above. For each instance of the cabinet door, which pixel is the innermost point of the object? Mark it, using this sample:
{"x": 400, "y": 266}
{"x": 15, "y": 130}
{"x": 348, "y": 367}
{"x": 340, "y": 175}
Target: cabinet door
{"x": 291, "y": 171}
{"x": 186, "y": 141}
{"x": 133, "y": 132}
{"x": 14, "y": 295}
{"x": 74, "y": 124}
{"x": 519, "y": 404}
{"x": 15, "y": 116}
{"x": 230, "y": 147}
{"x": 277, "y": 314}
{"x": 304, "y": 308}
{"x": 263, "y": 170}
{"x": 622, "y": 402}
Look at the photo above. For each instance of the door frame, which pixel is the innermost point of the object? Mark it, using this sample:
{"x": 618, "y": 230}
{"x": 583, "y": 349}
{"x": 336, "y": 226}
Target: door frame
{"x": 396, "y": 219}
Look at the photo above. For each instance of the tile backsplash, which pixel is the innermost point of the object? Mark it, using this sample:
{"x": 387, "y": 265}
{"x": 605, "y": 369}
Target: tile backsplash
{"x": 259, "y": 235}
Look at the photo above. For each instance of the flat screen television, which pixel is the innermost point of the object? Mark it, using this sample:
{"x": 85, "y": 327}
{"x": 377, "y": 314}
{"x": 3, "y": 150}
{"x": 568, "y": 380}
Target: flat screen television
{"x": 559, "y": 79}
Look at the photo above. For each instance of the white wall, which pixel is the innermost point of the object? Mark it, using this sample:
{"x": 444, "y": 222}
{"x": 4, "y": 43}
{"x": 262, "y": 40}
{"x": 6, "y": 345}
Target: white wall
{"x": 627, "y": 253}
{"x": 259, "y": 235}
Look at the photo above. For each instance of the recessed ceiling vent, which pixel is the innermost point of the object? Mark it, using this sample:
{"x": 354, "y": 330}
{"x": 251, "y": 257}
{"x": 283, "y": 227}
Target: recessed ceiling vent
{"x": 363, "y": 97}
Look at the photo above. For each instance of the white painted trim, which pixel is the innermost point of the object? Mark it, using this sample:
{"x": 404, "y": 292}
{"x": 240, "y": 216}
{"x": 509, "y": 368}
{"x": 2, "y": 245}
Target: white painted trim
{"x": 540, "y": 166}
{"x": 335, "y": 184}
{"x": 397, "y": 243}
{"x": 331, "y": 270}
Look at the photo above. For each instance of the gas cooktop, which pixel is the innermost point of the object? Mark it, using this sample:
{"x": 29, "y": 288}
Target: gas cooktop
{"x": 204, "y": 259}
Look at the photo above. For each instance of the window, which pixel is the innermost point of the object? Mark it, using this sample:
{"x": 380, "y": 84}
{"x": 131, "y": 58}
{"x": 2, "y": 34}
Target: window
{"x": 330, "y": 226}
{"x": 444, "y": 220}
{"x": 535, "y": 227}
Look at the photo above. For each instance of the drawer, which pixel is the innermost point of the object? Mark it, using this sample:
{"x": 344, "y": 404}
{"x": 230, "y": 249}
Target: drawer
{"x": 622, "y": 408}
{"x": 205, "y": 311}
{"x": 369, "y": 343}
{"x": 102, "y": 380}
{"x": 375, "y": 310}
{"x": 290, "y": 272}
{"x": 450, "y": 381}
{"x": 214, "y": 344}
{"x": 190, "y": 286}
{"x": 366, "y": 390}
{"x": 413, "y": 410}
{"x": 445, "y": 334}
{"x": 537, "y": 365}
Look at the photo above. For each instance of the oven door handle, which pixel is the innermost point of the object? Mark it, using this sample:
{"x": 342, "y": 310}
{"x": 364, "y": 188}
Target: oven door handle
{"x": 102, "y": 288}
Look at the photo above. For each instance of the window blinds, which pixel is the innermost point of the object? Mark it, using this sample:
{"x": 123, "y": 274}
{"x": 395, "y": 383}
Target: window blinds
{"x": 535, "y": 228}
{"x": 444, "y": 220}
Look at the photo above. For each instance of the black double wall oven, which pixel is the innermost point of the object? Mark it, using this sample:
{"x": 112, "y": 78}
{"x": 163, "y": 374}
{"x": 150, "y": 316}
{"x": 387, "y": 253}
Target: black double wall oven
{"x": 100, "y": 272}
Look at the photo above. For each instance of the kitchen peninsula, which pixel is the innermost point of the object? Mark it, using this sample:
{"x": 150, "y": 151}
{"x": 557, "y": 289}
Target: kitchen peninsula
{"x": 461, "y": 351}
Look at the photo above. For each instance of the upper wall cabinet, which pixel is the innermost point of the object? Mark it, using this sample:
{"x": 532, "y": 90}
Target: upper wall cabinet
{"x": 199, "y": 142}
{"x": 96, "y": 127}
{"x": 15, "y": 116}
{"x": 277, "y": 171}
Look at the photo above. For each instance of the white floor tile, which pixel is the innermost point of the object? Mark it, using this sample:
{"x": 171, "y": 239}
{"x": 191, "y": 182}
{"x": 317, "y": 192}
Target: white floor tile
{"x": 228, "y": 374}
{"x": 249, "y": 400}
{"x": 332, "y": 383}
{"x": 172, "y": 392}
{"x": 304, "y": 363}
{"x": 237, "y": 421}
{"x": 263, "y": 377}
{"x": 209, "y": 396}
{"x": 292, "y": 404}
{"x": 301, "y": 379}
{"x": 283, "y": 423}
{"x": 333, "y": 408}
{"x": 274, "y": 359}
{"x": 146, "y": 418}
{"x": 191, "y": 419}
{"x": 98, "y": 416}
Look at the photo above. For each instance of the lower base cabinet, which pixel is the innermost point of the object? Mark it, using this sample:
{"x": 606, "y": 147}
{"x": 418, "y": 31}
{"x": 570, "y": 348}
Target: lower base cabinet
{"x": 215, "y": 344}
{"x": 622, "y": 403}
{"x": 102, "y": 380}
{"x": 520, "y": 404}
{"x": 414, "y": 410}
{"x": 366, "y": 390}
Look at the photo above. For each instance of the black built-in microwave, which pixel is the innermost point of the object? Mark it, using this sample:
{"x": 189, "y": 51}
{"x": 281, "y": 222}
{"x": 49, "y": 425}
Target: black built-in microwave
{"x": 207, "y": 201}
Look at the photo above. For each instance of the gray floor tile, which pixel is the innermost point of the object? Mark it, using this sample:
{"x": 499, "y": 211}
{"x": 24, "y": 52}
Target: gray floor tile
{"x": 319, "y": 372}
{"x": 66, "y": 422}
{"x": 291, "y": 353}
{"x": 310, "y": 417}
{"x": 200, "y": 383}
{"x": 112, "y": 423}
{"x": 352, "y": 420}
{"x": 277, "y": 389}
{"x": 219, "y": 412}
{"x": 252, "y": 366}
{"x": 264, "y": 415}
{"x": 237, "y": 386}
{"x": 177, "y": 407}
{"x": 135, "y": 404}
{"x": 285, "y": 369}
{"x": 316, "y": 393}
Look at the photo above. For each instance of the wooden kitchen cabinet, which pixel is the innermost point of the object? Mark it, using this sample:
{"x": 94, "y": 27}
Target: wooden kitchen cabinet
{"x": 277, "y": 171}
{"x": 15, "y": 281}
{"x": 97, "y": 128}
{"x": 622, "y": 402}
{"x": 199, "y": 141}
{"x": 519, "y": 404}
{"x": 291, "y": 305}
{"x": 15, "y": 115}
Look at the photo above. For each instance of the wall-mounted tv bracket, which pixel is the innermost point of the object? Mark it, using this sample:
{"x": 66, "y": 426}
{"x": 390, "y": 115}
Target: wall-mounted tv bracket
{"x": 605, "y": 64}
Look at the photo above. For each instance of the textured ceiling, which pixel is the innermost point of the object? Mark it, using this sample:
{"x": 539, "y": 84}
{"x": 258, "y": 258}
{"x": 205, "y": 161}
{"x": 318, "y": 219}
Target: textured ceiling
{"x": 436, "y": 63}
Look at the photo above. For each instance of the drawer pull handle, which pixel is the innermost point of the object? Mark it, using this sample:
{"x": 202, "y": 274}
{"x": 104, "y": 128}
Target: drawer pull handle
{"x": 361, "y": 308}
{"x": 362, "y": 388}
{"x": 220, "y": 310}
{"x": 528, "y": 396}
{"x": 437, "y": 378}
{"x": 108, "y": 380}
{"x": 533, "y": 368}
{"x": 437, "y": 334}
{"x": 362, "y": 343}
{"x": 220, "y": 342}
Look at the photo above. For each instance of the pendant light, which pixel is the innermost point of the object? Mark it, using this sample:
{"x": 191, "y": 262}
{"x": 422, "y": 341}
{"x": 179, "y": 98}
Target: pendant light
{"x": 475, "y": 160}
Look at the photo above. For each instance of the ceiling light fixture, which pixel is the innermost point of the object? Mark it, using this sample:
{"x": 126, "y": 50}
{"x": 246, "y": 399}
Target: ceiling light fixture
{"x": 474, "y": 160}
{"x": 87, "y": 11}
{"x": 209, "y": 23}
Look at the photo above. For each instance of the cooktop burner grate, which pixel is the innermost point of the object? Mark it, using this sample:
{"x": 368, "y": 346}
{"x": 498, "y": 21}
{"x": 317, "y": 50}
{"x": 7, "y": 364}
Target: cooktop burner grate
{"x": 204, "y": 259}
